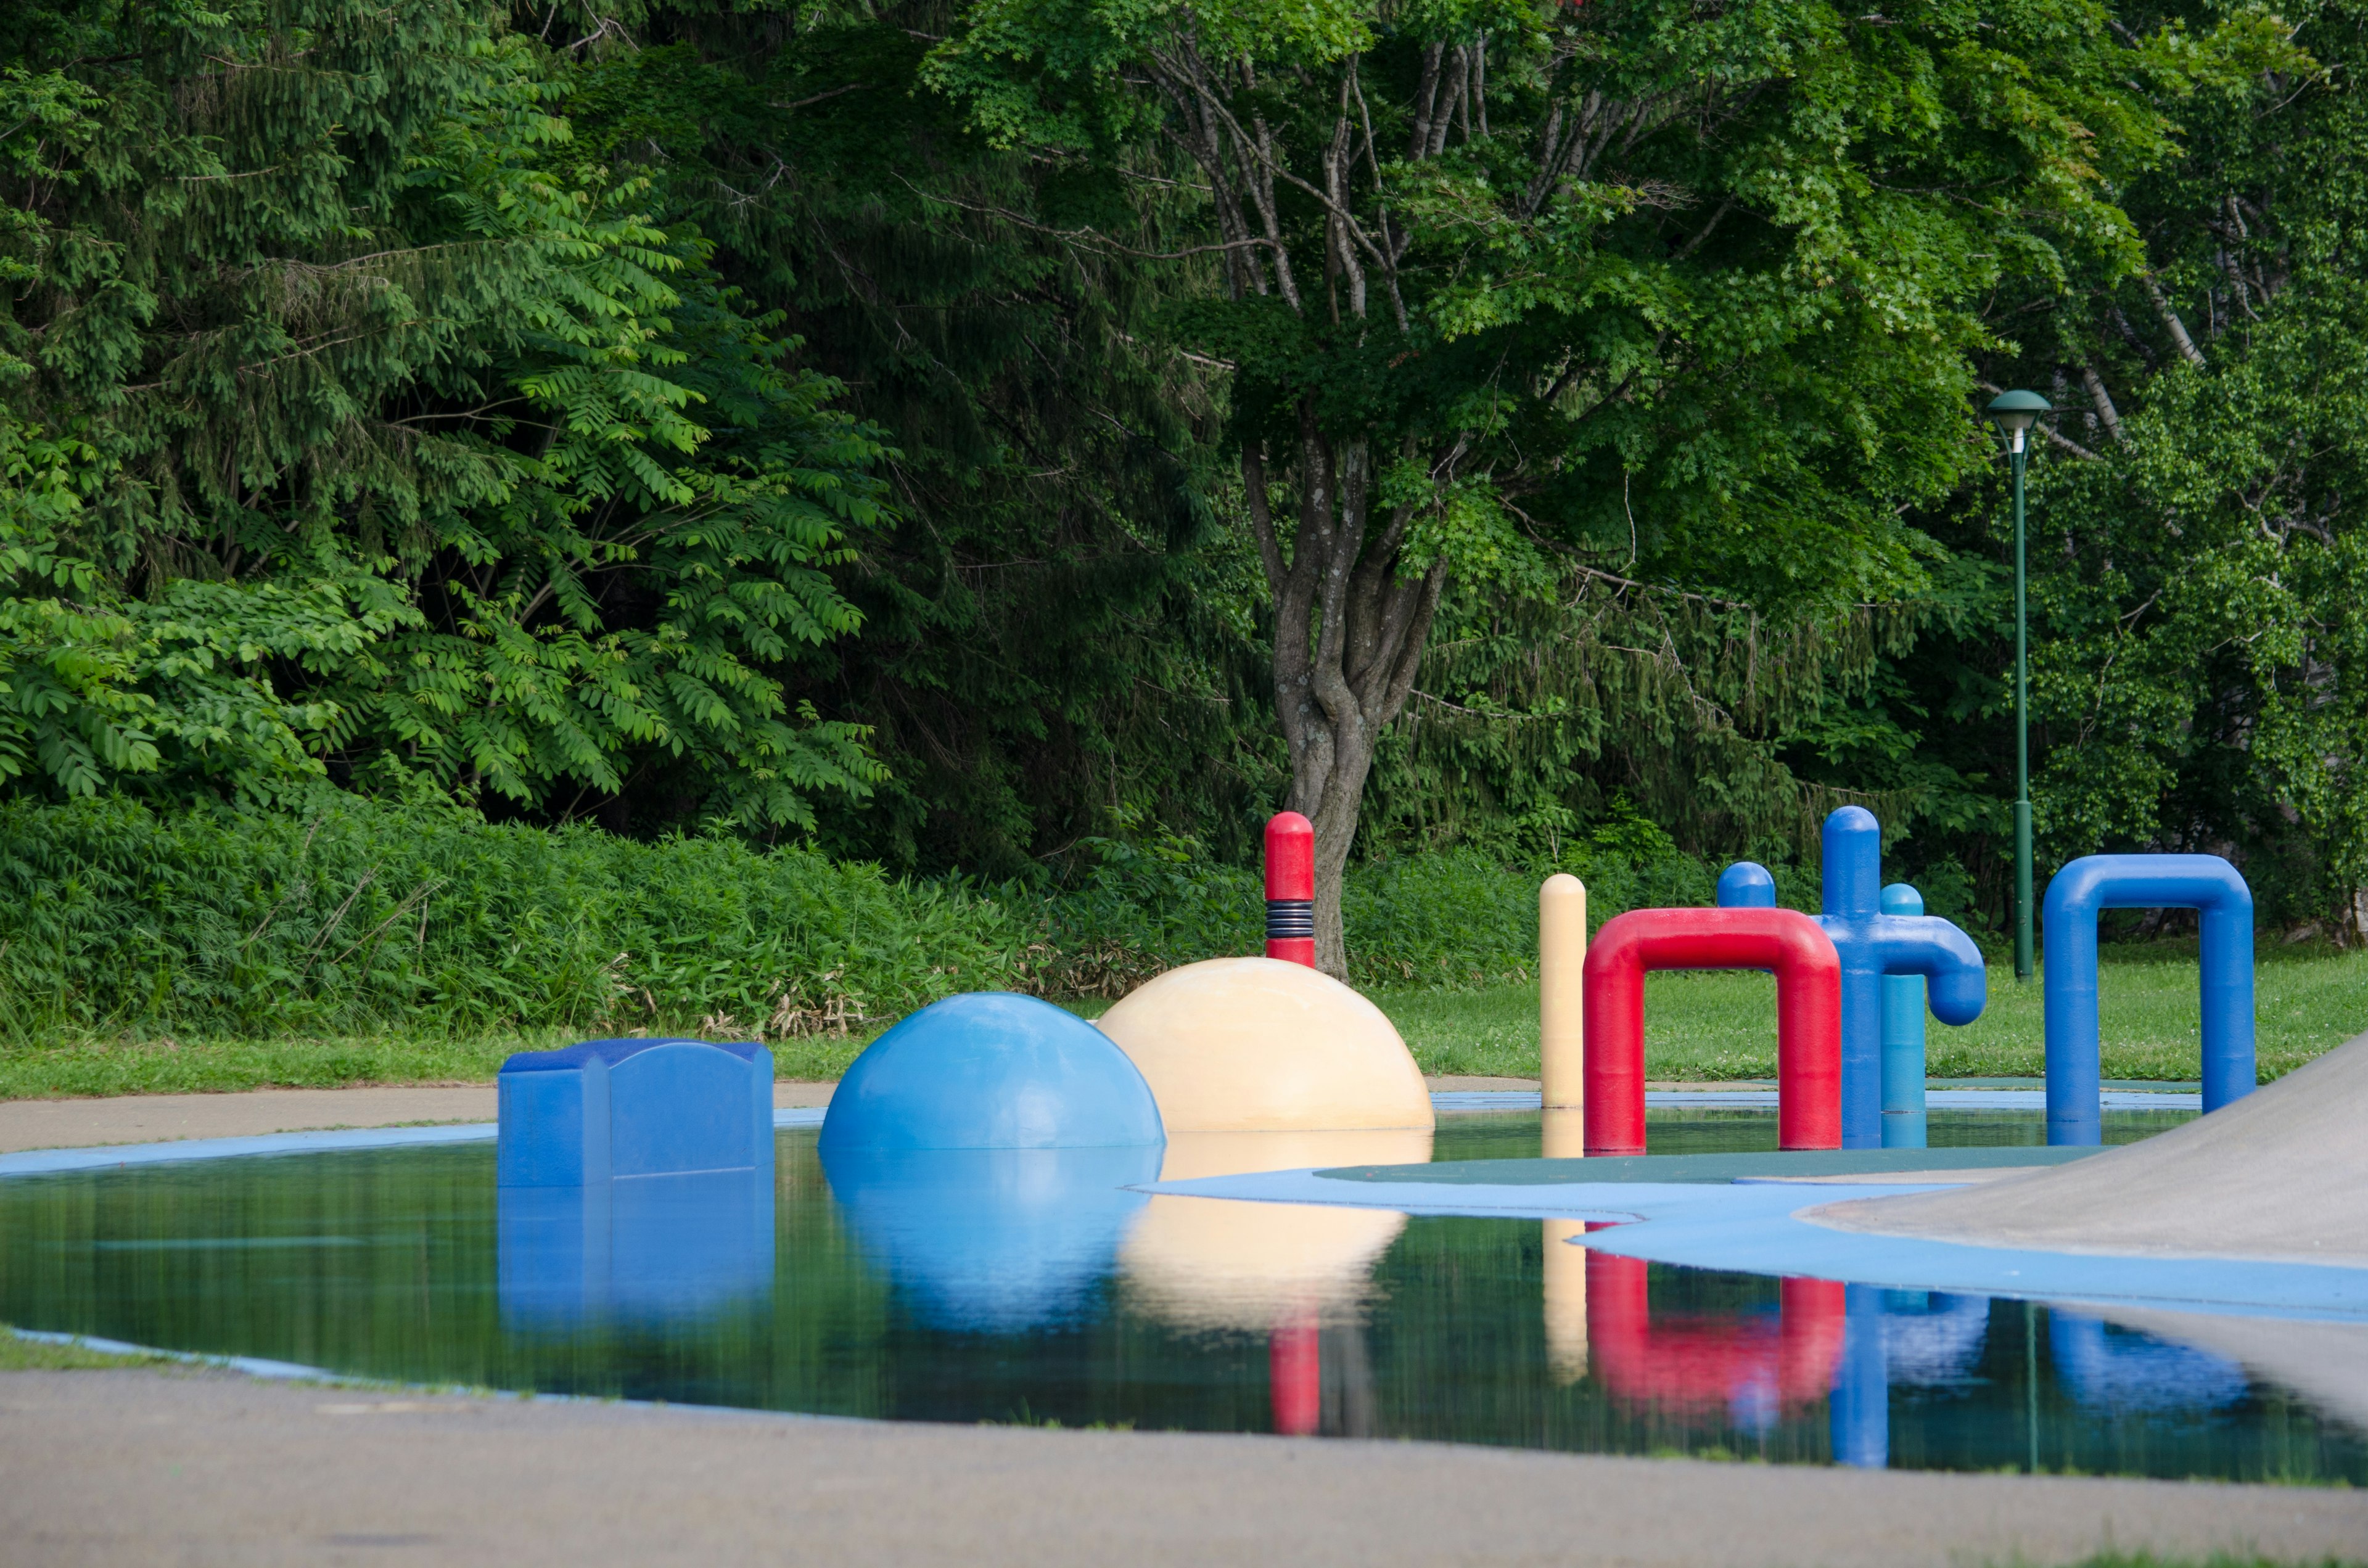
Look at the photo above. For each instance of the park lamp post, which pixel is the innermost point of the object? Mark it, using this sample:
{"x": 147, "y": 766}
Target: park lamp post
{"x": 2016, "y": 412}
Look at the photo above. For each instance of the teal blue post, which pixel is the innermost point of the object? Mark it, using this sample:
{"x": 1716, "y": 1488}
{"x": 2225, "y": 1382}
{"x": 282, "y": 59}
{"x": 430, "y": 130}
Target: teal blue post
{"x": 1903, "y": 1039}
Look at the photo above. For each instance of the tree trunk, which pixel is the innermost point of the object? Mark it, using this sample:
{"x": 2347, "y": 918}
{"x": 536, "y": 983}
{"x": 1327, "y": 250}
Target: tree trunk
{"x": 1349, "y": 633}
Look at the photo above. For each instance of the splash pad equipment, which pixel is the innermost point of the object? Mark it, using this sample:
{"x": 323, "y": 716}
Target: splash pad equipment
{"x": 1872, "y": 945}
{"x": 634, "y": 1107}
{"x": 2203, "y": 882}
{"x": 1259, "y": 1045}
{"x": 1808, "y": 1014}
{"x": 1270, "y": 1044}
{"x": 1290, "y": 889}
{"x": 991, "y": 1069}
{"x": 634, "y": 1180}
{"x": 1747, "y": 884}
{"x": 1561, "y": 1015}
{"x": 1904, "y": 1123}
{"x": 1877, "y": 943}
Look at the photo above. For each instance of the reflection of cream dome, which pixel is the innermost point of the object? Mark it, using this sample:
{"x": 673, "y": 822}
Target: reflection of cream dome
{"x": 1259, "y": 1045}
{"x": 1222, "y": 1263}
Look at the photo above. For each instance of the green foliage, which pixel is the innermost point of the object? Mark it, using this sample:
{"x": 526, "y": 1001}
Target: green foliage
{"x": 2195, "y": 553}
{"x": 456, "y": 409}
{"x": 347, "y": 918}
{"x": 1646, "y": 321}
{"x": 356, "y": 424}
{"x": 1044, "y": 646}
{"x": 346, "y": 922}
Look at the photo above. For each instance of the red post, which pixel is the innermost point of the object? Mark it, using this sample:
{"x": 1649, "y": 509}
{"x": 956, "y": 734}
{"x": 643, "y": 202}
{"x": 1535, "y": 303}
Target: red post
{"x": 1290, "y": 889}
{"x": 1808, "y": 1014}
{"x": 1294, "y": 1362}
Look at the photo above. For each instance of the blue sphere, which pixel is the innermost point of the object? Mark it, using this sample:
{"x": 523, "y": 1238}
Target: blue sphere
{"x": 993, "y": 1070}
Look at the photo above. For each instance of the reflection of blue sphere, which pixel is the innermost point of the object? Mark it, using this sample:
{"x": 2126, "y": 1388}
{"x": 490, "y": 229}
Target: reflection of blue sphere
{"x": 2119, "y": 1369}
{"x": 991, "y": 1069}
{"x": 992, "y": 1240}
{"x": 1746, "y": 885}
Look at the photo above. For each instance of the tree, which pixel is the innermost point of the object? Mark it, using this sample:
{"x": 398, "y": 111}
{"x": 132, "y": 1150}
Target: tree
{"x": 1040, "y": 655}
{"x": 359, "y": 427}
{"x": 1516, "y": 297}
{"x": 2198, "y": 678}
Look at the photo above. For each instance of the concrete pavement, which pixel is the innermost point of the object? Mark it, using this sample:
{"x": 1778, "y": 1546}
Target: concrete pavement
{"x": 200, "y": 1468}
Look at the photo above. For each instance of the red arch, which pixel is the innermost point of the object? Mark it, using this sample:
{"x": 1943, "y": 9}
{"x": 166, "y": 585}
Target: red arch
{"x": 1808, "y": 1014}
{"x": 1698, "y": 1363}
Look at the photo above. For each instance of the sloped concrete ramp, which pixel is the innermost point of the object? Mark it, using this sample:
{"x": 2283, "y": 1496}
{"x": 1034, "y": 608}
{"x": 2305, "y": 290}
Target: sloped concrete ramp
{"x": 2280, "y": 1176}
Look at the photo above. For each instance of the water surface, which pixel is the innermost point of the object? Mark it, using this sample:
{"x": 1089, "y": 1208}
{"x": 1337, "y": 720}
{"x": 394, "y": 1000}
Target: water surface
{"x": 1041, "y": 1291}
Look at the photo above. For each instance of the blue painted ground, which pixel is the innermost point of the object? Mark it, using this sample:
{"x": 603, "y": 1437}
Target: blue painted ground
{"x": 1754, "y": 1226}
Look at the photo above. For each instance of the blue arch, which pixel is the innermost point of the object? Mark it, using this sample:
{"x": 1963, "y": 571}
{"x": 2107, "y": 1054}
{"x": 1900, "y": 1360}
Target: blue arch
{"x": 2204, "y": 883}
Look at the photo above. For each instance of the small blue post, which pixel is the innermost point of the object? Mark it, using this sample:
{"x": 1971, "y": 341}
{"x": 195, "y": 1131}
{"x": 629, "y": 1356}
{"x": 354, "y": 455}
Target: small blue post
{"x": 1872, "y": 944}
{"x": 1860, "y": 1407}
{"x": 1746, "y": 885}
{"x": 2203, "y": 882}
{"x": 1903, "y": 1039}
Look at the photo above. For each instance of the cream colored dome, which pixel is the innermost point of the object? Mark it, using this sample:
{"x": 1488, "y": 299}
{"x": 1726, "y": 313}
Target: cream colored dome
{"x": 1259, "y": 1045}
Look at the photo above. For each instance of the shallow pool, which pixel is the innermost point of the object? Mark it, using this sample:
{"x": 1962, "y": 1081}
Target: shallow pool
{"x": 1048, "y": 1295}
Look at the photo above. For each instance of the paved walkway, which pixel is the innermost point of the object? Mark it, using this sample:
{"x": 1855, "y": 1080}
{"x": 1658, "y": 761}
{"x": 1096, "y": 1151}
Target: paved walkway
{"x": 203, "y": 1468}
{"x": 164, "y": 1119}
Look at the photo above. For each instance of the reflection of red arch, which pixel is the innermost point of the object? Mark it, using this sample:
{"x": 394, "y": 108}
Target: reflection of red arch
{"x": 1808, "y": 1014}
{"x": 1699, "y": 1363}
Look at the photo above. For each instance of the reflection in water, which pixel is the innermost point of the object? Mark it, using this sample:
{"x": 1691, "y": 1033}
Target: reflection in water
{"x": 1565, "y": 1293}
{"x": 967, "y": 1294}
{"x": 636, "y": 1249}
{"x": 1216, "y": 1264}
{"x": 1290, "y": 1271}
{"x": 1931, "y": 1339}
{"x": 1755, "y": 1367}
{"x": 992, "y": 1241}
{"x": 2113, "y": 1369}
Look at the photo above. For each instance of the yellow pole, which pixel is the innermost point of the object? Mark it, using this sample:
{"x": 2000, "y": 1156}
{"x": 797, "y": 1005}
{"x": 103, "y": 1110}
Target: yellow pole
{"x": 1561, "y": 1044}
{"x": 1562, "y": 954}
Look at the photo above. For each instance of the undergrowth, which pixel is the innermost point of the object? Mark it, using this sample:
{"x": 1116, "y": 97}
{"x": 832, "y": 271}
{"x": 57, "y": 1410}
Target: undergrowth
{"x": 213, "y": 949}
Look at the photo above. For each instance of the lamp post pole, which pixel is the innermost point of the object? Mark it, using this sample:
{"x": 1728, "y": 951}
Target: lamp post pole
{"x": 2016, "y": 412}
{"x": 2021, "y": 734}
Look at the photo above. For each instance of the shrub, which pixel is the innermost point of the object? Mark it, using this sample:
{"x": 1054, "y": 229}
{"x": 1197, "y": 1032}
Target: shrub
{"x": 354, "y": 917}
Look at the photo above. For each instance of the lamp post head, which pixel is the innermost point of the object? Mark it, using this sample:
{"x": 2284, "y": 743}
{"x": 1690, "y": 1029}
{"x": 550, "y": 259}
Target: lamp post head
{"x": 2015, "y": 411}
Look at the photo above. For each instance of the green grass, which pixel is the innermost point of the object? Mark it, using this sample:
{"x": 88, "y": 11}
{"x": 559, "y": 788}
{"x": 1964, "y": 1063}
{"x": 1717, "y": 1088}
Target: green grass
{"x": 20, "y": 1355}
{"x": 1715, "y": 1025}
{"x": 76, "y": 1068}
{"x": 1697, "y": 1026}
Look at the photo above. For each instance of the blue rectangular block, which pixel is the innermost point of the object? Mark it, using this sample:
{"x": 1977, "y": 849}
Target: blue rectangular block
{"x": 620, "y": 1108}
